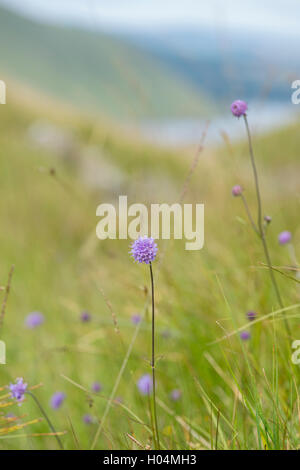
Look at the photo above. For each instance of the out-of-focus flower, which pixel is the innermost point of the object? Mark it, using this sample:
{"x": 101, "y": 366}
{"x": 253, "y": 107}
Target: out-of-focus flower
{"x": 245, "y": 335}
{"x": 34, "y": 320}
{"x": 88, "y": 419}
{"x": 85, "y": 316}
{"x": 136, "y": 319}
{"x": 175, "y": 395}
{"x": 96, "y": 387}
{"x": 145, "y": 384}
{"x": 239, "y": 108}
{"x": 57, "y": 400}
{"x": 237, "y": 190}
{"x": 268, "y": 219}
{"x": 284, "y": 237}
{"x": 251, "y": 315}
{"x": 18, "y": 390}
{"x": 144, "y": 250}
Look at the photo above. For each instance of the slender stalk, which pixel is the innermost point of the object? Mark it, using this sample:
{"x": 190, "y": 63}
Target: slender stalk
{"x": 46, "y": 417}
{"x": 249, "y": 215}
{"x": 261, "y": 231}
{"x": 153, "y": 358}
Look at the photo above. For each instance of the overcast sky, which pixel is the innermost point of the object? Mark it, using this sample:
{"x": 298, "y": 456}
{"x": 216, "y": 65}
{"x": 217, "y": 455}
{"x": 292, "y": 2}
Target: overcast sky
{"x": 280, "y": 16}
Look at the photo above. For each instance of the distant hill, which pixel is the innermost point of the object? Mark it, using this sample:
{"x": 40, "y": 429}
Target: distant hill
{"x": 226, "y": 64}
{"x": 95, "y": 71}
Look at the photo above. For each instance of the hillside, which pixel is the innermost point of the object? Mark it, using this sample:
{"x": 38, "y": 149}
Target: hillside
{"x": 93, "y": 71}
{"x": 47, "y": 207}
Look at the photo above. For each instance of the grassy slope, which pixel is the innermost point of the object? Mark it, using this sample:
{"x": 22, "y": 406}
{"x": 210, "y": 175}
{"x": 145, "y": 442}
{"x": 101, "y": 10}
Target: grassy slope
{"x": 48, "y": 232}
{"x": 94, "y": 71}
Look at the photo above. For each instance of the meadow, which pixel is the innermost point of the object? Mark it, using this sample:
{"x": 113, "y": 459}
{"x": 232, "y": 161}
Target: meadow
{"x": 230, "y": 393}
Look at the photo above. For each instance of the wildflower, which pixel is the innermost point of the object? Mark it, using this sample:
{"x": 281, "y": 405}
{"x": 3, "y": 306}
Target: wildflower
{"x": 175, "y": 395}
{"x": 251, "y": 315}
{"x": 85, "y": 316}
{"x": 268, "y": 219}
{"x": 18, "y": 390}
{"x": 34, "y": 319}
{"x": 96, "y": 387}
{"x": 245, "y": 335}
{"x": 237, "y": 190}
{"x": 57, "y": 400}
{"x": 136, "y": 319}
{"x": 88, "y": 419}
{"x": 145, "y": 384}
{"x": 284, "y": 237}
{"x": 144, "y": 250}
{"x": 239, "y": 108}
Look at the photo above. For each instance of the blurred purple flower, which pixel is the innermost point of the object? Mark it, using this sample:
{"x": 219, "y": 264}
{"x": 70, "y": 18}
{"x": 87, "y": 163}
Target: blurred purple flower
{"x": 96, "y": 387}
{"x": 284, "y": 237}
{"x": 85, "y": 316}
{"x": 18, "y": 390}
{"x": 136, "y": 319}
{"x": 57, "y": 400}
{"x": 175, "y": 394}
{"x": 34, "y": 319}
{"x": 145, "y": 384}
{"x": 237, "y": 190}
{"x": 245, "y": 335}
{"x": 268, "y": 219}
{"x": 88, "y": 419}
{"x": 144, "y": 250}
{"x": 239, "y": 108}
{"x": 251, "y": 315}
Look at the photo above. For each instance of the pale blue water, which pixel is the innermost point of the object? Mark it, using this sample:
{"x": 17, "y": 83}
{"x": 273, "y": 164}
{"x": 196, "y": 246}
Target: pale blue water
{"x": 181, "y": 132}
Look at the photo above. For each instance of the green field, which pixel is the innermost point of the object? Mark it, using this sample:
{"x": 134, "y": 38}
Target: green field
{"x": 235, "y": 395}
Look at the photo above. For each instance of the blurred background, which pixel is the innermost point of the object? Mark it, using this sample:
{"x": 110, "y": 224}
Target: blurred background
{"x": 108, "y": 98}
{"x": 160, "y": 67}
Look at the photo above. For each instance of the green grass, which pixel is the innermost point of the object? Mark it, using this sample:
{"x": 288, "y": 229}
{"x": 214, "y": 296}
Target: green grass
{"x": 234, "y": 395}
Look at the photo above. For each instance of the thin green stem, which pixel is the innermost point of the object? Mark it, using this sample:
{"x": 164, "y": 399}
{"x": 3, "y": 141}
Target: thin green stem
{"x": 46, "y": 417}
{"x": 249, "y": 215}
{"x": 260, "y": 224}
{"x": 153, "y": 358}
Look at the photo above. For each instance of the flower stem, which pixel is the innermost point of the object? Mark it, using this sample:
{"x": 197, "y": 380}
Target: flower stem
{"x": 46, "y": 417}
{"x": 153, "y": 358}
{"x": 261, "y": 231}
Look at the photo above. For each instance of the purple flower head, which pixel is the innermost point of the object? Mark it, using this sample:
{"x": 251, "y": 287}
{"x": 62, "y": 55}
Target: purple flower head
{"x": 136, "y": 319}
{"x": 96, "y": 387}
{"x": 239, "y": 108}
{"x": 175, "y": 395}
{"x": 245, "y": 335}
{"x": 284, "y": 237}
{"x": 145, "y": 384}
{"x": 34, "y": 319}
{"x": 251, "y": 315}
{"x": 88, "y": 419}
{"x": 85, "y": 317}
{"x": 268, "y": 219}
{"x": 57, "y": 400}
{"x": 237, "y": 190}
{"x": 144, "y": 250}
{"x": 18, "y": 390}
